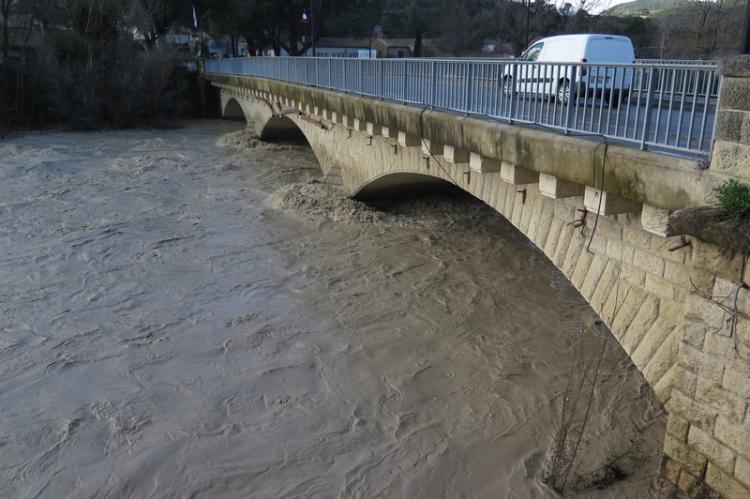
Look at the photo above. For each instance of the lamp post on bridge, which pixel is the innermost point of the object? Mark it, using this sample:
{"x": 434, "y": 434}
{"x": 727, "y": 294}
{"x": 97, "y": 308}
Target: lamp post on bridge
{"x": 312, "y": 27}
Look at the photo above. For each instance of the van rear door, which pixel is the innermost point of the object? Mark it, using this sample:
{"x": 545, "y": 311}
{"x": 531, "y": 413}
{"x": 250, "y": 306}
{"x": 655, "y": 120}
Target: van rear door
{"x": 609, "y": 50}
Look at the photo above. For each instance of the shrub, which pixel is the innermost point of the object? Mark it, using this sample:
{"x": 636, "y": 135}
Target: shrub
{"x": 70, "y": 80}
{"x": 734, "y": 197}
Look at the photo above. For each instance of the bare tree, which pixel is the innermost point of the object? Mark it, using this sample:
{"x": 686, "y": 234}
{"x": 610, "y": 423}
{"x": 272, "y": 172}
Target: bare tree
{"x": 6, "y": 8}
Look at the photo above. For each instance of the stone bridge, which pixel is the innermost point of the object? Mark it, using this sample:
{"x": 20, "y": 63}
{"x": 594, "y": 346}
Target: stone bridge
{"x": 676, "y": 304}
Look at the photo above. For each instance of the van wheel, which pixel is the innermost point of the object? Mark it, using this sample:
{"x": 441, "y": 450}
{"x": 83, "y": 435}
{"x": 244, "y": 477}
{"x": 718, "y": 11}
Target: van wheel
{"x": 564, "y": 92}
{"x": 508, "y": 86}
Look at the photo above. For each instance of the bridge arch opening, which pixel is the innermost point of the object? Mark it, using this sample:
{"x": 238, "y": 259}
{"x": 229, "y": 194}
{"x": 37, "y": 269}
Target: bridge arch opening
{"x": 233, "y": 110}
{"x": 270, "y": 128}
{"x": 405, "y": 184}
{"x": 280, "y": 129}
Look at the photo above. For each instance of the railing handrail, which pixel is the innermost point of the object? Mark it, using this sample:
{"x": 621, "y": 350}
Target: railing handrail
{"x": 665, "y": 106}
{"x": 698, "y": 63}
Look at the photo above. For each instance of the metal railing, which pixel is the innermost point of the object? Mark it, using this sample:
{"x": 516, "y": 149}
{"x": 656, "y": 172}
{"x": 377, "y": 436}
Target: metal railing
{"x": 665, "y": 107}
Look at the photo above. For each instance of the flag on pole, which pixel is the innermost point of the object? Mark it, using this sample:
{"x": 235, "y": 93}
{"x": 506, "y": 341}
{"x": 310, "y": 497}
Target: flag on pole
{"x": 195, "y": 18}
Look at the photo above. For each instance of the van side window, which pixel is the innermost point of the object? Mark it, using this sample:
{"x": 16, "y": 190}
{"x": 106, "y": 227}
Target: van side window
{"x": 533, "y": 53}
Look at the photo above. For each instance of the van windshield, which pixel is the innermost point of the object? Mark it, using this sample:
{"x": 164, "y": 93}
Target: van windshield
{"x": 532, "y": 54}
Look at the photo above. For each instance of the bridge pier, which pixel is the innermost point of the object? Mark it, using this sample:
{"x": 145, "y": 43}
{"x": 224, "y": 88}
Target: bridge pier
{"x": 675, "y": 304}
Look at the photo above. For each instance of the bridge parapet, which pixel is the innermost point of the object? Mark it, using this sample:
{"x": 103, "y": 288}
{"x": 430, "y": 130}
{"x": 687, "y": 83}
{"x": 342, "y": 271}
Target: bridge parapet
{"x": 599, "y": 212}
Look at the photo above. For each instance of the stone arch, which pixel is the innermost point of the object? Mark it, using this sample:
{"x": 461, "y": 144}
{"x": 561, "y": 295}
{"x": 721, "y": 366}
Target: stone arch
{"x": 275, "y": 122}
{"x": 402, "y": 184}
{"x": 369, "y": 158}
{"x": 666, "y": 314}
{"x": 232, "y": 109}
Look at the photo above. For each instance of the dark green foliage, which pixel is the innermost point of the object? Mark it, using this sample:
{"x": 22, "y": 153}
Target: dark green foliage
{"x": 734, "y": 197}
{"x": 77, "y": 64}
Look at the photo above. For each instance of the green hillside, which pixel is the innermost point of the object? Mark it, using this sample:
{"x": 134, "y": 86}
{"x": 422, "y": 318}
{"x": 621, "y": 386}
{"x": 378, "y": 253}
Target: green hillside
{"x": 645, "y": 7}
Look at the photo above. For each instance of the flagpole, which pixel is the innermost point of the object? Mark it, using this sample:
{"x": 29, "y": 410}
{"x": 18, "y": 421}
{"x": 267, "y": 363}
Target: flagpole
{"x": 312, "y": 27}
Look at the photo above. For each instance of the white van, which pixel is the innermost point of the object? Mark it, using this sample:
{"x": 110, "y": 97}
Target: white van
{"x": 556, "y": 79}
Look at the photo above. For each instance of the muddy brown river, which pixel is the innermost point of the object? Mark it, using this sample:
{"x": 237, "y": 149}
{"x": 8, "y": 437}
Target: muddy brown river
{"x": 188, "y": 313}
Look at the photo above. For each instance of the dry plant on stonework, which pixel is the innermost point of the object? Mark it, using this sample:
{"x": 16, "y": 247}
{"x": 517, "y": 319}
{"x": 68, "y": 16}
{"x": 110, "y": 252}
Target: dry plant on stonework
{"x": 578, "y": 397}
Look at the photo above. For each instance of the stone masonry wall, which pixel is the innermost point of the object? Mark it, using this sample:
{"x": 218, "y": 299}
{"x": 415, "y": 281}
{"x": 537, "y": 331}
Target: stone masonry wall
{"x": 707, "y": 446}
{"x": 669, "y": 301}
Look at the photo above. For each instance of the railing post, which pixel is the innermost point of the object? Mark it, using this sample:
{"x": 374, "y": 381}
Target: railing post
{"x": 572, "y": 96}
{"x": 433, "y": 83}
{"x": 361, "y": 76}
{"x": 343, "y": 75}
{"x": 512, "y": 92}
{"x": 381, "y": 78}
{"x": 647, "y": 111}
{"x": 405, "y": 86}
{"x": 469, "y": 89}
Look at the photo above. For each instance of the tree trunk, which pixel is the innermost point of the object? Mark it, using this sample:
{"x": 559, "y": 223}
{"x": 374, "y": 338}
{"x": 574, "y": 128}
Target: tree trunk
{"x": 6, "y": 37}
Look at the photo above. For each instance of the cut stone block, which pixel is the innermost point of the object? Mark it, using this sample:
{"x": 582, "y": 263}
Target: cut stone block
{"x": 373, "y": 129}
{"x": 483, "y": 164}
{"x": 517, "y": 175}
{"x": 430, "y": 147}
{"x": 655, "y": 220}
{"x": 455, "y": 156}
{"x": 606, "y": 203}
{"x": 359, "y": 124}
{"x": 408, "y": 140}
{"x": 557, "y": 188}
{"x": 388, "y": 132}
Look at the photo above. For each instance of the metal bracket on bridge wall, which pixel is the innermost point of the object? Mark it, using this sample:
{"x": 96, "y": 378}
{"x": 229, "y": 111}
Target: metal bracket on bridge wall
{"x": 523, "y": 195}
{"x": 684, "y": 243}
{"x": 580, "y": 222}
{"x": 302, "y": 115}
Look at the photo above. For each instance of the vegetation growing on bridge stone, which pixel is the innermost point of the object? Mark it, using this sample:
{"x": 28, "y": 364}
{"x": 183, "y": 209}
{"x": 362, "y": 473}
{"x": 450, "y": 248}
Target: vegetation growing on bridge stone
{"x": 734, "y": 197}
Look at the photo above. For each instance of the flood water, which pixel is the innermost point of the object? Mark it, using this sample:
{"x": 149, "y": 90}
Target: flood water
{"x": 187, "y": 313}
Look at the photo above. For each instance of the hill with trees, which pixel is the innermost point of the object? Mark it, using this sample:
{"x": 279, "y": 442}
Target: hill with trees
{"x": 646, "y": 8}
